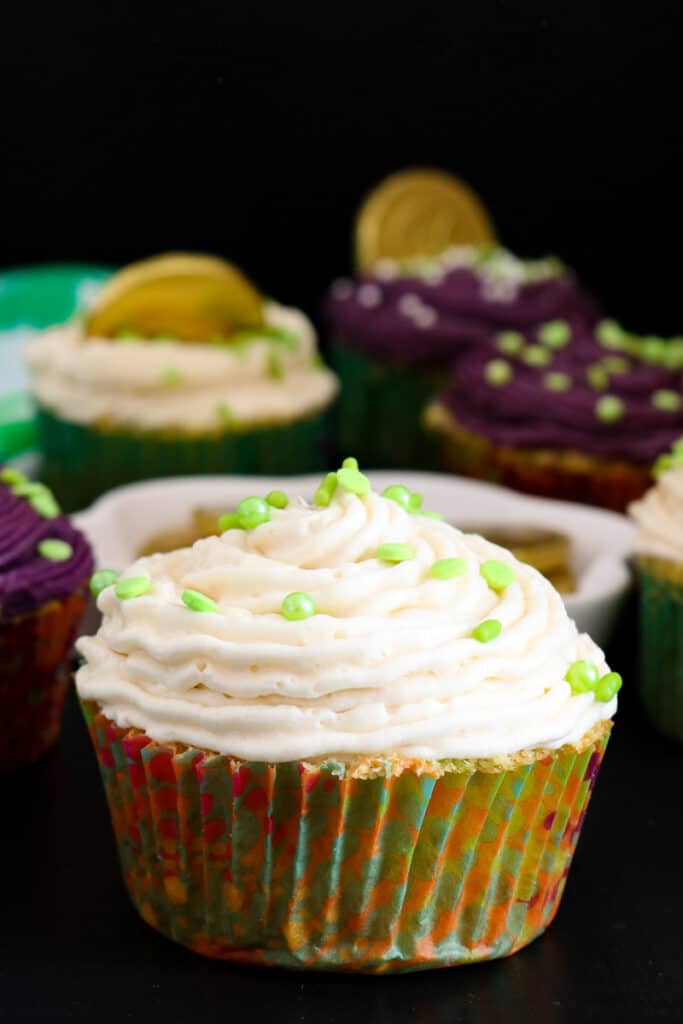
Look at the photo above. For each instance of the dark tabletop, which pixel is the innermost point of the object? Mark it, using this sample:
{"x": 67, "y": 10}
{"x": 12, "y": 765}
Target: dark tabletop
{"x": 73, "y": 949}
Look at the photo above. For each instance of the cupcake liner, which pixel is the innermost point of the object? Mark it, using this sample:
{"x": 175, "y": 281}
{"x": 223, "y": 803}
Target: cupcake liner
{"x": 107, "y": 459}
{"x": 568, "y": 475}
{"x": 661, "y": 644}
{"x": 379, "y": 409}
{"x": 34, "y": 675}
{"x": 305, "y": 866}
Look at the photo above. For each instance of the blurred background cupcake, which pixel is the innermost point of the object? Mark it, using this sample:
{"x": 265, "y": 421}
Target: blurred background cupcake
{"x": 45, "y": 565}
{"x": 431, "y": 282}
{"x": 179, "y": 367}
{"x": 659, "y": 545}
{"x": 564, "y": 410}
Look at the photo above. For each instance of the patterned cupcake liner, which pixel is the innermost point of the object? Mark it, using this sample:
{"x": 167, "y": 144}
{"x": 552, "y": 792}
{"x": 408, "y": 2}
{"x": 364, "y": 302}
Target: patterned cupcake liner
{"x": 568, "y": 475}
{"x": 379, "y": 409}
{"x": 661, "y": 644}
{"x": 303, "y": 866}
{"x": 106, "y": 459}
{"x": 34, "y": 676}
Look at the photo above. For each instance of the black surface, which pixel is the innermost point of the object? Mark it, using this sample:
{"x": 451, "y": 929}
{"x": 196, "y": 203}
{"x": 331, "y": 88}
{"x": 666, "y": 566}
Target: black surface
{"x": 73, "y": 949}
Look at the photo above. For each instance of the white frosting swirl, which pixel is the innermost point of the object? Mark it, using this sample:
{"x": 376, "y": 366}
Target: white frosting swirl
{"x": 177, "y": 384}
{"x": 386, "y": 666}
{"x": 659, "y": 516}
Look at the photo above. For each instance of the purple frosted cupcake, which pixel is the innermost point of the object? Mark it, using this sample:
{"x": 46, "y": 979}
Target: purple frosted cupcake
{"x": 565, "y": 411}
{"x": 396, "y": 332}
{"x": 45, "y": 565}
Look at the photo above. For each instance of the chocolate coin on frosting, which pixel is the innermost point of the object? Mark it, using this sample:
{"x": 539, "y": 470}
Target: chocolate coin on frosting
{"x": 177, "y": 295}
{"x": 417, "y": 214}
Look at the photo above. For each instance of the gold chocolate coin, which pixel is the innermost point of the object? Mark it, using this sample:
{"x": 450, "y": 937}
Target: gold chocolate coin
{"x": 418, "y": 213}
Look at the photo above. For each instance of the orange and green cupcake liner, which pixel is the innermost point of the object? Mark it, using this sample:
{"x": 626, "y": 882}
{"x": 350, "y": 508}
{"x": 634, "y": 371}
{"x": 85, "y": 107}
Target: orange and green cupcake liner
{"x": 661, "y": 643}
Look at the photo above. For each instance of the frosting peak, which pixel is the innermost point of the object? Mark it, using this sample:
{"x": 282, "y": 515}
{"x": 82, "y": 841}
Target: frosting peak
{"x": 659, "y": 516}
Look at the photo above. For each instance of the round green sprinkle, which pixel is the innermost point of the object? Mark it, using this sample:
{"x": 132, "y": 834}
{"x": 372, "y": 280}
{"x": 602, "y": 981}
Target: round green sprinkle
{"x": 298, "y": 606}
{"x": 582, "y": 676}
{"x": 555, "y": 334}
{"x": 133, "y": 586}
{"x": 608, "y": 687}
{"x": 354, "y": 481}
{"x": 616, "y": 364}
{"x": 198, "y": 602}
{"x": 350, "y": 463}
{"x": 399, "y": 494}
{"x": 487, "y": 631}
{"x": 609, "y": 409}
{"x": 54, "y": 550}
{"x": 535, "y": 355}
{"x": 557, "y": 381}
{"x": 498, "y": 575}
{"x": 395, "y": 552}
{"x": 10, "y": 475}
{"x": 610, "y": 334}
{"x": 323, "y": 496}
{"x": 597, "y": 376}
{"x": 102, "y": 579}
{"x": 415, "y": 502}
{"x": 667, "y": 401}
{"x": 278, "y": 499}
{"x": 663, "y": 463}
{"x": 497, "y": 372}
{"x": 509, "y": 342}
{"x": 44, "y": 504}
{"x": 653, "y": 350}
{"x": 677, "y": 447}
{"x": 252, "y": 512}
{"x": 229, "y": 521}
{"x": 171, "y": 376}
{"x": 448, "y": 568}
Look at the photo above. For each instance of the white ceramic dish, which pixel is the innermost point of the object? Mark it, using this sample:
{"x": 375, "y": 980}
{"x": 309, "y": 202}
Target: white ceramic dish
{"x": 120, "y": 522}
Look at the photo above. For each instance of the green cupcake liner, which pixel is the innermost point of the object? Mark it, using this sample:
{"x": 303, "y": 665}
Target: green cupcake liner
{"x": 81, "y": 462}
{"x": 378, "y": 417}
{"x": 661, "y": 647}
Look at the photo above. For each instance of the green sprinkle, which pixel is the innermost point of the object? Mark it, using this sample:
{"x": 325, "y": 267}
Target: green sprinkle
{"x": 45, "y": 505}
{"x": 278, "y": 499}
{"x": 395, "y": 552}
{"x": 252, "y": 512}
{"x": 229, "y": 521}
{"x": 555, "y": 334}
{"x": 350, "y": 463}
{"x": 399, "y": 494}
{"x": 354, "y": 481}
{"x": 225, "y": 414}
{"x": 55, "y": 550}
{"x": 616, "y": 364}
{"x": 509, "y": 342}
{"x": 126, "y": 334}
{"x": 323, "y": 496}
{"x": 609, "y": 409}
{"x": 610, "y": 334}
{"x": 102, "y": 579}
{"x": 317, "y": 361}
{"x": 663, "y": 464}
{"x": 582, "y": 676}
{"x": 667, "y": 401}
{"x": 198, "y": 602}
{"x": 448, "y": 568}
{"x": 557, "y": 381}
{"x": 430, "y": 515}
{"x": 497, "y": 372}
{"x": 10, "y": 475}
{"x": 498, "y": 575}
{"x": 133, "y": 586}
{"x": 171, "y": 376}
{"x": 608, "y": 687}
{"x": 275, "y": 368}
{"x": 28, "y": 489}
{"x": 677, "y": 448}
{"x": 298, "y": 606}
{"x": 415, "y": 502}
{"x": 535, "y": 355}
{"x": 487, "y": 631}
{"x": 597, "y": 376}
{"x": 653, "y": 350}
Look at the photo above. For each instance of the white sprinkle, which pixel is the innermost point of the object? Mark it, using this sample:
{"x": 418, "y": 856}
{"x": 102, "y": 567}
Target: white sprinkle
{"x": 408, "y": 303}
{"x": 425, "y": 317}
{"x": 499, "y": 291}
{"x": 369, "y": 295}
{"x": 342, "y": 289}
{"x": 459, "y": 256}
{"x": 386, "y": 269}
{"x": 433, "y": 274}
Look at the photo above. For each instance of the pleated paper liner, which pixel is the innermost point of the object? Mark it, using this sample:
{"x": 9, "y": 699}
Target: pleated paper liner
{"x": 309, "y": 866}
{"x": 81, "y": 462}
{"x": 661, "y": 643}
{"x": 34, "y": 676}
{"x": 568, "y": 475}
{"x": 378, "y": 413}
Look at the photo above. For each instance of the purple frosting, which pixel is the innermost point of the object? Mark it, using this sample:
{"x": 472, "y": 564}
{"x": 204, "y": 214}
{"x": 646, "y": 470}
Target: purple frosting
{"x": 427, "y": 319}
{"x": 27, "y": 580}
{"x": 526, "y": 412}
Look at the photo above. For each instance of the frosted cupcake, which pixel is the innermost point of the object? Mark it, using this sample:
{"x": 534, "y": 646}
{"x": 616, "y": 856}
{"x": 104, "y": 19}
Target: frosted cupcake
{"x": 565, "y": 410}
{"x": 181, "y": 367}
{"x": 659, "y": 518}
{"x": 45, "y": 565}
{"x": 344, "y": 736}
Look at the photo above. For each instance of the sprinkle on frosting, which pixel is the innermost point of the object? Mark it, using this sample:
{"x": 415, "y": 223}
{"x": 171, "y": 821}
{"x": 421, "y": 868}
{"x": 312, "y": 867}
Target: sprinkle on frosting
{"x": 251, "y": 512}
{"x": 487, "y": 631}
{"x": 395, "y": 552}
{"x": 536, "y": 355}
{"x": 616, "y": 364}
{"x": 597, "y": 376}
{"x": 555, "y": 334}
{"x": 132, "y": 586}
{"x": 229, "y": 521}
{"x": 667, "y": 400}
{"x": 171, "y": 376}
{"x": 498, "y": 372}
{"x": 609, "y": 409}
{"x": 608, "y": 687}
{"x": 275, "y": 367}
{"x": 102, "y": 579}
{"x": 399, "y": 494}
{"x": 510, "y": 343}
{"x": 198, "y": 602}
{"x": 448, "y": 568}
{"x": 324, "y": 494}
{"x": 582, "y": 676}
{"x": 55, "y": 550}
{"x": 353, "y": 481}
{"x": 350, "y": 462}
{"x": 10, "y": 475}
{"x": 556, "y": 381}
{"x": 298, "y": 606}
{"x": 277, "y": 499}
{"x": 498, "y": 575}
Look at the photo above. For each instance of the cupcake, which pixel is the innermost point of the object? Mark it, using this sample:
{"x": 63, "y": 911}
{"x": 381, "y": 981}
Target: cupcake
{"x": 565, "y": 410}
{"x": 45, "y": 565}
{"x": 179, "y": 367}
{"x": 396, "y": 328}
{"x": 659, "y": 544}
{"x": 344, "y": 735}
